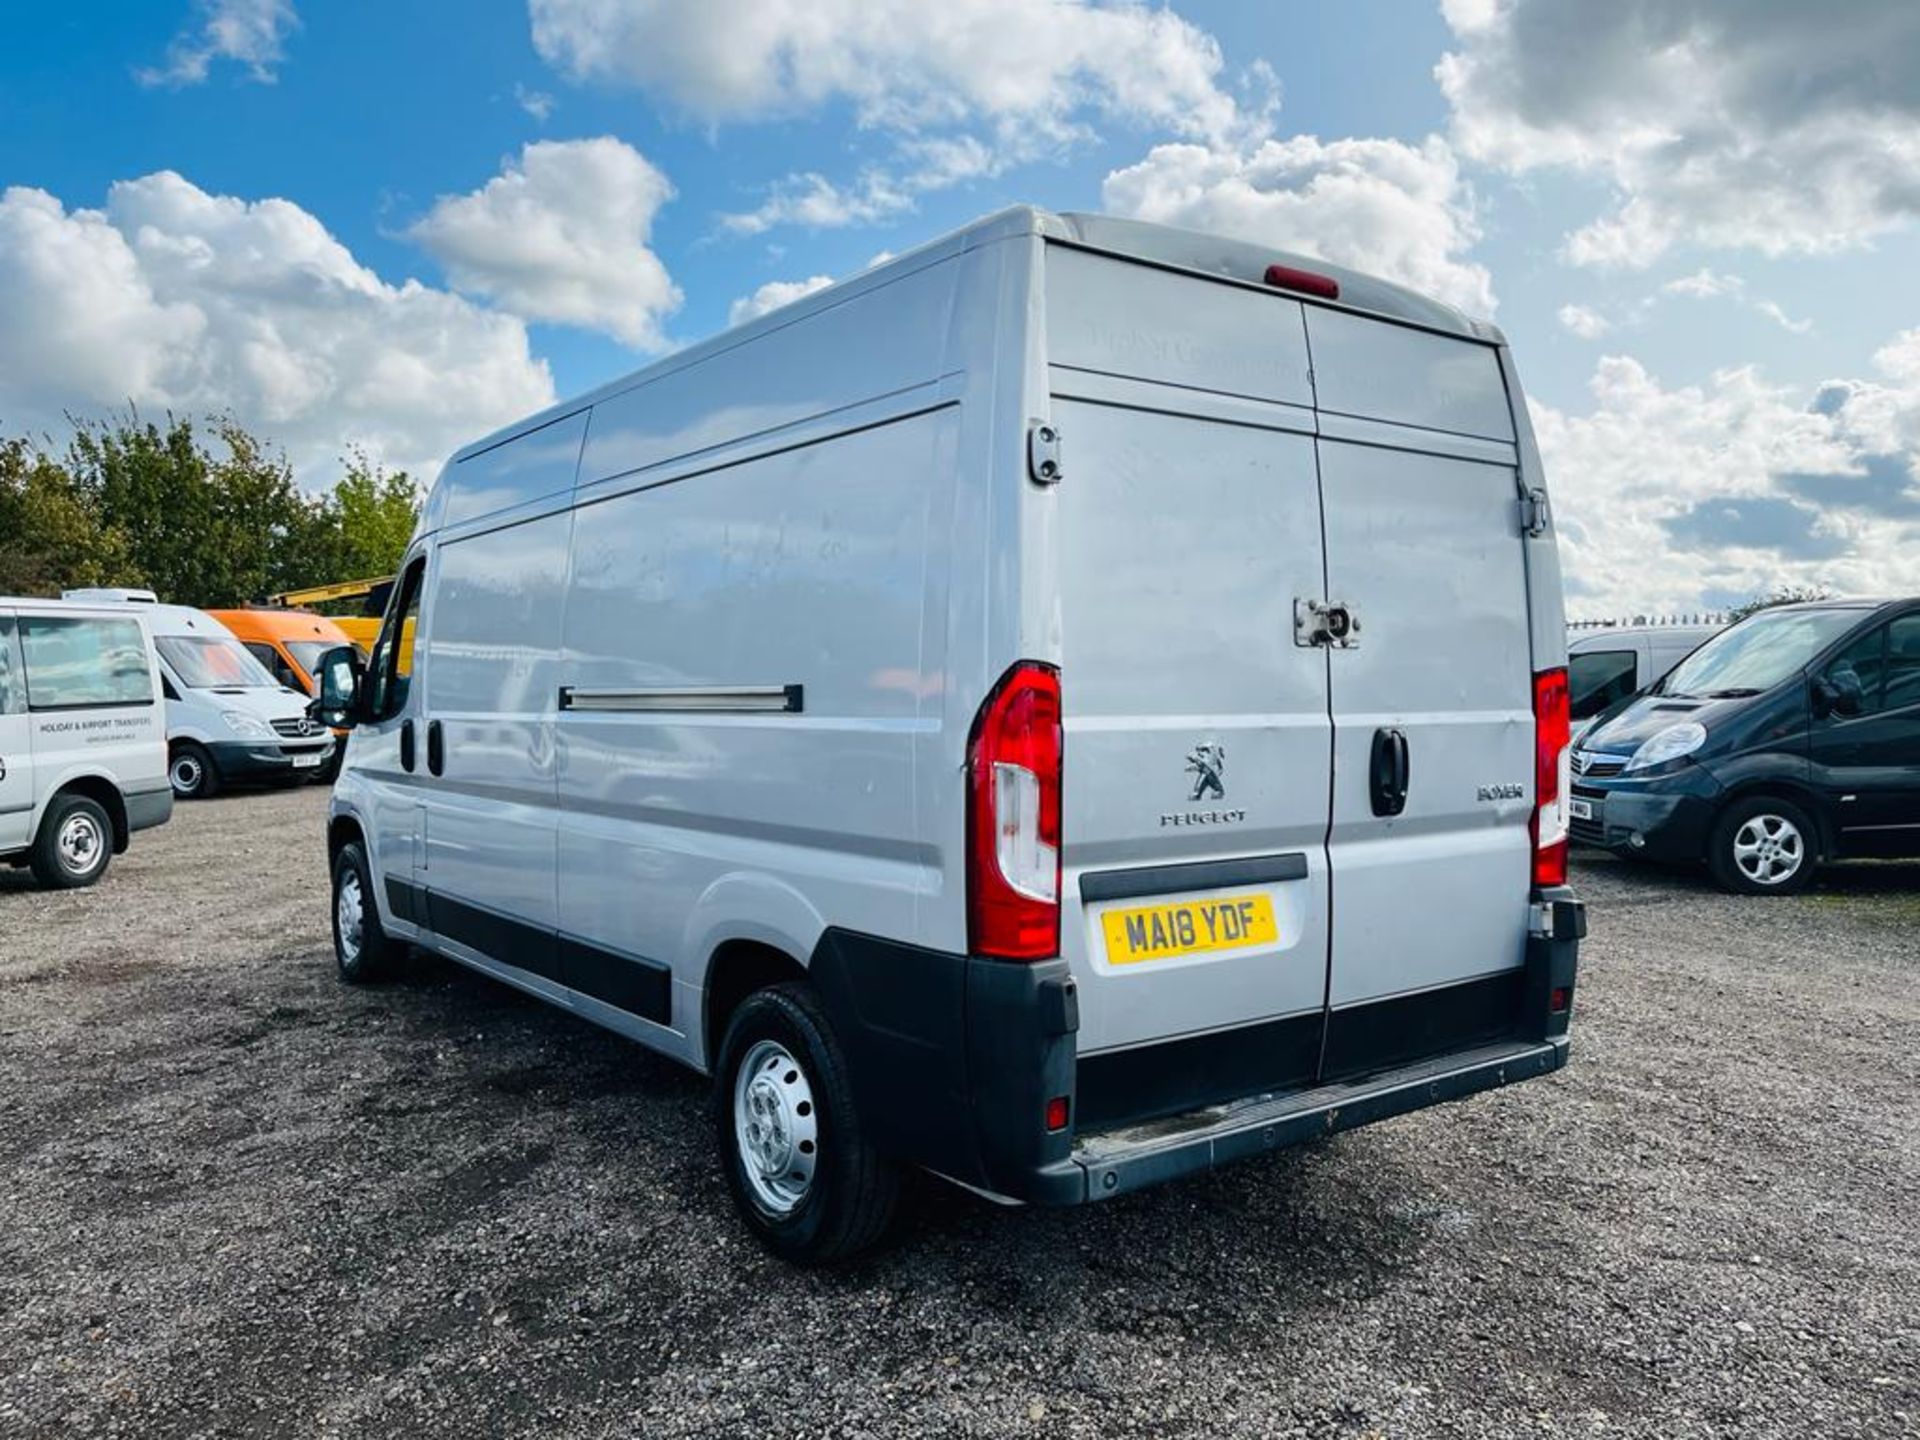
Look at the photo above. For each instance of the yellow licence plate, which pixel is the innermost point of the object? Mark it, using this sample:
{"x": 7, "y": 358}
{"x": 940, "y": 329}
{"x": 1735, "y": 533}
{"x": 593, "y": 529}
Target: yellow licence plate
{"x": 1188, "y": 927}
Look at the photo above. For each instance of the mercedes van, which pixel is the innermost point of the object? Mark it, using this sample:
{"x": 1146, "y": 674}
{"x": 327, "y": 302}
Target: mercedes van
{"x": 83, "y": 739}
{"x": 1789, "y": 739}
{"x": 288, "y": 644}
{"x": 1072, "y": 706}
{"x": 228, "y": 719}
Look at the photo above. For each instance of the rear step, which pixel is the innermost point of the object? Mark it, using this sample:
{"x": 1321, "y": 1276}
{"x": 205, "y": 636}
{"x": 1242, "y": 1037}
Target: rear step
{"x": 1133, "y": 1157}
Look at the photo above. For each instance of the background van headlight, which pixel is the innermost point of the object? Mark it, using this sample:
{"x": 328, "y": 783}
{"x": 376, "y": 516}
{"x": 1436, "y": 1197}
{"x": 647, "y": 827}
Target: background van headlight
{"x": 248, "y": 727}
{"x": 1676, "y": 742}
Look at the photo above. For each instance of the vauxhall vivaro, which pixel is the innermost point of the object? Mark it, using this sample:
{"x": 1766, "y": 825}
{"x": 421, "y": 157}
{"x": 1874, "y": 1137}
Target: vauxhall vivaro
{"x": 1071, "y": 706}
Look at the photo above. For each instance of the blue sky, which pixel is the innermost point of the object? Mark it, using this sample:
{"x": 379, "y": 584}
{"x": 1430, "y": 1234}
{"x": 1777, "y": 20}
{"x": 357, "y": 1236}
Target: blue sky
{"x": 1688, "y": 215}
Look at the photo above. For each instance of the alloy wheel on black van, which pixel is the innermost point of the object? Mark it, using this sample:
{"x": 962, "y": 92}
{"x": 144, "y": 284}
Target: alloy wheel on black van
{"x": 1763, "y": 846}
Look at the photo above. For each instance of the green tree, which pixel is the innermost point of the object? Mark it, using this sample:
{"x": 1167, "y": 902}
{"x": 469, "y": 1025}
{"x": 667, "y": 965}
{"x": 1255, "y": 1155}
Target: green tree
{"x": 51, "y": 538}
{"x": 371, "y": 512}
{"x": 1781, "y": 595}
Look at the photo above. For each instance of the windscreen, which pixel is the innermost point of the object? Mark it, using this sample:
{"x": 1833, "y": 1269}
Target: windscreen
{"x": 308, "y": 652}
{"x": 1756, "y": 654}
{"x": 207, "y": 662}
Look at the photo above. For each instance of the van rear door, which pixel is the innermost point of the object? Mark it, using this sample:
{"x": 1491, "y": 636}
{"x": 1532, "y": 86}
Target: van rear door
{"x": 1430, "y": 849}
{"x": 1198, "y": 740}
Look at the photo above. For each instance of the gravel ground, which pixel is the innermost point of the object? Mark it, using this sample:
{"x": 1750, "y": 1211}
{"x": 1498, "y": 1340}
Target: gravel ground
{"x": 238, "y": 1198}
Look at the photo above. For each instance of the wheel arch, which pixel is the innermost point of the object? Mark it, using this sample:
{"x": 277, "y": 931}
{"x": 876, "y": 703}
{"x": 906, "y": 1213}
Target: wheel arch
{"x": 736, "y": 969}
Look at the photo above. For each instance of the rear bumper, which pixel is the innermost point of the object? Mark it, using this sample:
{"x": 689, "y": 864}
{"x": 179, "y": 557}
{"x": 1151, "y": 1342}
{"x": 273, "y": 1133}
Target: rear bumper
{"x": 954, "y": 1059}
{"x": 1118, "y": 1161}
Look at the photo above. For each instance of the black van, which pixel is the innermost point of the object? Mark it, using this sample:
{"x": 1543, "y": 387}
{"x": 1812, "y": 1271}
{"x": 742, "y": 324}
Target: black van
{"x": 1788, "y": 739}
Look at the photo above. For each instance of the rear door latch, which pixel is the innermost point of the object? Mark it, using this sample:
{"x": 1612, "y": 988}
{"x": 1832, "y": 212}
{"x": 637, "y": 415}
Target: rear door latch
{"x": 1043, "y": 452}
{"x": 1332, "y": 624}
{"x": 1534, "y": 514}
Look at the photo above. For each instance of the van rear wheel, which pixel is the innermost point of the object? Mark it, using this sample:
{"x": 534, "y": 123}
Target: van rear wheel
{"x": 74, "y": 845}
{"x": 1763, "y": 846}
{"x": 191, "y": 773}
{"x": 362, "y": 950}
{"x": 808, "y": 1182}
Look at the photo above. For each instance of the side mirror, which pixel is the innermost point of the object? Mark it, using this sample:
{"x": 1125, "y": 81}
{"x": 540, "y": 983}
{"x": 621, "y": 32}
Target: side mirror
{"x": 1839, "y": 692}
{"x": 339, "y": 681}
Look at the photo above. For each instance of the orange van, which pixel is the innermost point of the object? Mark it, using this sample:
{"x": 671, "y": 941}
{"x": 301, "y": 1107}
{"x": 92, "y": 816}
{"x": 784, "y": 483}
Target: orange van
{"x": 288, "y": 643}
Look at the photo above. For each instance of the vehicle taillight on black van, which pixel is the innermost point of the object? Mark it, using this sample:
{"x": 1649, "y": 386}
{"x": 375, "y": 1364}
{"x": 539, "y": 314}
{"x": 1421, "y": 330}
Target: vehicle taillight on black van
{"x": 1013, "y": 817}
{"x": 1552, "y": 757}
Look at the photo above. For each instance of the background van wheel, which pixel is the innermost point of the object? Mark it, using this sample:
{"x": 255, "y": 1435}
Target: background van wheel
{"x": 74, "y": 845}
{"x": 361, "y": 949}
{"x": 1763, "y": 846}
{"x": 808, "y": 1182}
{"x": 191, "y": 772}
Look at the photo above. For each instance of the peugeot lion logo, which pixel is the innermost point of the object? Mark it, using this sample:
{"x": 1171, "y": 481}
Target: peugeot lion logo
{"x": 1205, "y": 764}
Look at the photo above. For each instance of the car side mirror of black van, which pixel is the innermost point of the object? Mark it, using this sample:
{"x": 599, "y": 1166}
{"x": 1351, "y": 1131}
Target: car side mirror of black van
{"x": 339, "y": 682}
{"x": 1839, "y": 692}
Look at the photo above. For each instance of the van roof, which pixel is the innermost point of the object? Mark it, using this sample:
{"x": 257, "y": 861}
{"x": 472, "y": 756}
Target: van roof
{"x": 44, "y": 602}
{"x": 1166, "y": 246}
{"x": 163, "y": 619}
{"x": 264, "y": 622}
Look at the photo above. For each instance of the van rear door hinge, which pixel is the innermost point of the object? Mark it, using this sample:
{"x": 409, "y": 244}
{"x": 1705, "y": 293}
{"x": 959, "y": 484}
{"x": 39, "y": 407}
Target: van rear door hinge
{"x": 1534, "y": 514}
{"x": 1043, "y": 452}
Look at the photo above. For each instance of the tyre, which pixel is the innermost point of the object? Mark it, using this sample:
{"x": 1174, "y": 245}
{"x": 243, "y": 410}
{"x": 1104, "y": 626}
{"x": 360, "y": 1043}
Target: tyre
{"x": 808, "y": 1182}
{"x": 191, "y": 772}
{"x": 361, "y": 949}
{"x": 75, "y": 844}
{"x": 1763, "y": 846}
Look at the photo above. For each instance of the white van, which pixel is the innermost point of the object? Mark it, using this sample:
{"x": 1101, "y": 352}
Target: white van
{"x": 1609, "y": 664}
{"x": 83, "y": 743}
{"x": 228, "y": 719}
{"x": 1072, "y": 706}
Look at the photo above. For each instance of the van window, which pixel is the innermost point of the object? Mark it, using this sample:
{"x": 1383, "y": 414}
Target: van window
{"x": 1903, "y": 663}
{"x": 391, "y": 670}
{"x": 1599, "y": 678}
{"x": 1866, "y": 658}
{"x": 13, "y": 697}
{"x": 308, "y": 652}
{"x": 73, "y": 662}
{"x": 273, "y": 662}
{"x": 1758, "y": 653}
{"x": 210, "y": 662}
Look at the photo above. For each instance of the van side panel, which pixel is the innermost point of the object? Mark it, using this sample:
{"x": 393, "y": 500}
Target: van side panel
{"x": 802, "y": 568}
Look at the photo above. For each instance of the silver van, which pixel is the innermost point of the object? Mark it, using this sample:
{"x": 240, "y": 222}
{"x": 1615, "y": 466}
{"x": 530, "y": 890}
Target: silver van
{"x": 1078, "y": 704}
{"x": 83, "y": 738}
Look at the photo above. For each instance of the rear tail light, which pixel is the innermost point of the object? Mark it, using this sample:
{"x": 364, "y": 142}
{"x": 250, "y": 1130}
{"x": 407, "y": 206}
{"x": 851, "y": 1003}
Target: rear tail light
{"x": 1552, "y": 776}
{"x": 1307, "y": 282}
{"x": 1059, "y": 1111}
{"x": 1013, "y": 817}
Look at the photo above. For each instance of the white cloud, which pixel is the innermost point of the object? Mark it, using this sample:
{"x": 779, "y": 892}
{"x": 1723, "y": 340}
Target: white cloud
{"x": 562, "y": 234}
{"x": 1767, "y": 124}
{"x": 536, "y": 103}
{"x": 772, "y": 295}
{"x": 249, "y": 32}
{"x": 1584, "y": 321}
{"x": 1677, "y": 498}
{"x": 814, "y": 201}
{"x": 1396, "y": 210}
{"x": 172, "y": 298}
{"x": 903, "y": 64}
{"x": 1707, "y": 284}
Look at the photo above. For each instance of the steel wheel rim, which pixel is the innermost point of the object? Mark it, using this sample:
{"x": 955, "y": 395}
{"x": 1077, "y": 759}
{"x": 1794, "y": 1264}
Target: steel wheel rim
{"x": 186, "y": 774}
{"x": 349, "y": 914}
{"x": 79, "y": 843}
{"x": 776, "y": 1127}
{"x": 1769, "y": 849}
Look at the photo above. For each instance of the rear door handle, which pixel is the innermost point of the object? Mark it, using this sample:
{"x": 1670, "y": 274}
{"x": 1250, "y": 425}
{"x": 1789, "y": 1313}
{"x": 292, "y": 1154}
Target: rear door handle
{"x": 436, "y": 748}
{"x": 406, "y": 745}
{"x": 1388, "y": 772}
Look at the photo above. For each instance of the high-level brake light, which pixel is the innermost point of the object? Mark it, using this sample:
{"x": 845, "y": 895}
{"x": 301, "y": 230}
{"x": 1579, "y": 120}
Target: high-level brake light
{"x": 1552, "y": 776}
{"x": 1013, "y": 817}
{"x": 1307, "y": 282}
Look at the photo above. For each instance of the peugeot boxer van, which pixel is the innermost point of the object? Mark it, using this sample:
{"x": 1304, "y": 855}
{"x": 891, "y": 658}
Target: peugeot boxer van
{"x": 1789, "y": 739}
{"x": 83, "y": 738}
{"x": 1070, "y": 707}
{"x": 228, "y": 720}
